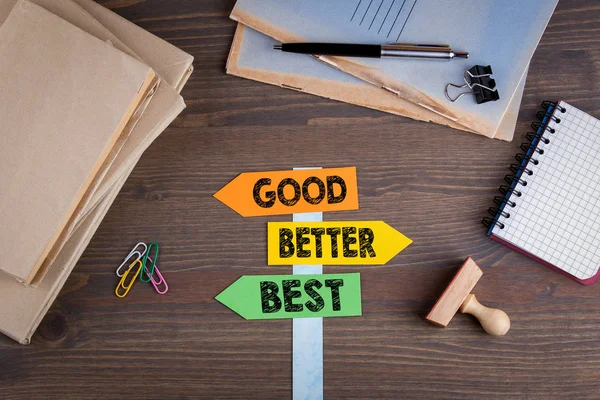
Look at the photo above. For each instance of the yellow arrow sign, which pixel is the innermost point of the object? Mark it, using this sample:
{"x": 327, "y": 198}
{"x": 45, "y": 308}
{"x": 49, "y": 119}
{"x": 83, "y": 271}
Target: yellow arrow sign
{"x": 343, "y": 243}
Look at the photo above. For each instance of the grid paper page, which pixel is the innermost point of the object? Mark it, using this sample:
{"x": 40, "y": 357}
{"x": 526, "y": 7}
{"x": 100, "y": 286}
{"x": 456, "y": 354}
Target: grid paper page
{"x": 557, "y": 216}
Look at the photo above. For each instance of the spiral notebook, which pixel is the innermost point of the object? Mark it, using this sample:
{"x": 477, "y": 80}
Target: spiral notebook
{"x": 550, "y": 208}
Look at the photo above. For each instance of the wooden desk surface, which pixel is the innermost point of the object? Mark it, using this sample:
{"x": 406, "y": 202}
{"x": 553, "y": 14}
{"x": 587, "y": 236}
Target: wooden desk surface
{"x": 432, "y": 183}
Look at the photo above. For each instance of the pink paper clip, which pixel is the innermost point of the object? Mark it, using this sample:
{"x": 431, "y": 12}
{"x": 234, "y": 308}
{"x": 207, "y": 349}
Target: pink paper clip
{"x": 161, "y": 281}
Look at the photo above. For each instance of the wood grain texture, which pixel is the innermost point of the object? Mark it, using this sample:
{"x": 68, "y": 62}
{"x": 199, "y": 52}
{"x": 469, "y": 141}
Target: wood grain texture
{"x": 432, "y": 183}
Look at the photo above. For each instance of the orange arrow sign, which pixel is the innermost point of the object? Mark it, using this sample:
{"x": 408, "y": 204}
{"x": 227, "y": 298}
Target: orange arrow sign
{"x": 253, "y": 194}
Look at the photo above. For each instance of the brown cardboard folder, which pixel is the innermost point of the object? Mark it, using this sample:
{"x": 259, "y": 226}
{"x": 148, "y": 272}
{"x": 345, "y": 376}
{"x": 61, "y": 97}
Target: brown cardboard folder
{"x": 57, "y": 80}
{"x": 128, "y": 147}
{"x": 22, "y": 308}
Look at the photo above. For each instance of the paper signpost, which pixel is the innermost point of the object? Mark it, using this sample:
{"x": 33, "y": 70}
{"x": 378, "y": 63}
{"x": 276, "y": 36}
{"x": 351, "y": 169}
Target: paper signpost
{"x": 253, "y": 194}
{"x": 294, "y": 296}
{"x": 340, "y": 243}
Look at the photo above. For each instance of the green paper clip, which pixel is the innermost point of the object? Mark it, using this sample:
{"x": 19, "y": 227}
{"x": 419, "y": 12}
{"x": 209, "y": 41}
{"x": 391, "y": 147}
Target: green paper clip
{"x": 150, "y": 271}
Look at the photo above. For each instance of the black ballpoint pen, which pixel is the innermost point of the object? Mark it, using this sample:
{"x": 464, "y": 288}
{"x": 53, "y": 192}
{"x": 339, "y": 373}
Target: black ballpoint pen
{"x": 402, "y": 50}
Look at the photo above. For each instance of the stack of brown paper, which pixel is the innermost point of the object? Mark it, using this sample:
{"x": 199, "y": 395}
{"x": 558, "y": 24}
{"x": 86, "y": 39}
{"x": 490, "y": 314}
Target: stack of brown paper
{"x": 22, "y": 307}
{"x": 59, "y": 80}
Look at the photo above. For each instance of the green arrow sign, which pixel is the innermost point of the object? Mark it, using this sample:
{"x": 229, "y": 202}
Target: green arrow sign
{"x": 294, "y": 296}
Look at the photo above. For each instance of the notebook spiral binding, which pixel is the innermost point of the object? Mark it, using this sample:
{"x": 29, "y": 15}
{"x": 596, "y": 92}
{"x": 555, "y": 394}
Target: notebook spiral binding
{"x": 542, "y": 134}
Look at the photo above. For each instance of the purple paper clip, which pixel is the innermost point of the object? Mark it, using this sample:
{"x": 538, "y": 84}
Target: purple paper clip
{"x": 155, "y": 283}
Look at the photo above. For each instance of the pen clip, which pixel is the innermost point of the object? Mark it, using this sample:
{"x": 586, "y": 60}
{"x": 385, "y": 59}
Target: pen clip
{"x": 440, "y": 46}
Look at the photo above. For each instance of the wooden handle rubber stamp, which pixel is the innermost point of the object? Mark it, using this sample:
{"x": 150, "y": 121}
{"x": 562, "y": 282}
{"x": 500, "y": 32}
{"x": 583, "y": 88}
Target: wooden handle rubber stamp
{"x": 458, "y": 296}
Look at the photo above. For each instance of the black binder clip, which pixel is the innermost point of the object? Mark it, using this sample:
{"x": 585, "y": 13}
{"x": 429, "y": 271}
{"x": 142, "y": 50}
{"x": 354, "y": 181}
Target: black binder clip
{"x": 479, "y": 80}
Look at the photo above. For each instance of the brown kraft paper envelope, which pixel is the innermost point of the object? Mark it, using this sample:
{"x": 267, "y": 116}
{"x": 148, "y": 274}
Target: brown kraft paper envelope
{"x": 74, "y": 14}
{"x": 151, "y": 125}
{"x": 128, "y": 147}
{"x": 21, "y": 322}
{"x": 70, "y": 78}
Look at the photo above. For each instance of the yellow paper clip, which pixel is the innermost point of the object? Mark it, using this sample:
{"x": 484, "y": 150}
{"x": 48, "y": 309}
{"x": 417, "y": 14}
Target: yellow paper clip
{"x": 122, "y": 281}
